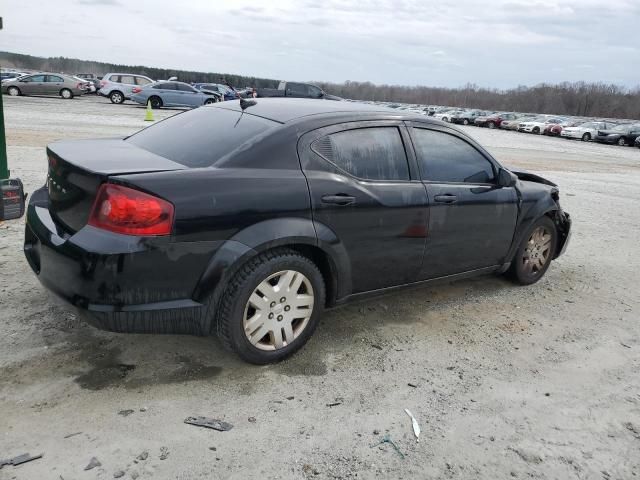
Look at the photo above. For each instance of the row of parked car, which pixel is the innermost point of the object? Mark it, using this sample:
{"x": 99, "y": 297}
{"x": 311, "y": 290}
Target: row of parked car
{"x": 585, "y": 129}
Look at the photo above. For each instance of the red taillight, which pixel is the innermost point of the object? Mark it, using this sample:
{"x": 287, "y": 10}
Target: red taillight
{"x": 130, "y": 212}
{"x": 136, "y": 89}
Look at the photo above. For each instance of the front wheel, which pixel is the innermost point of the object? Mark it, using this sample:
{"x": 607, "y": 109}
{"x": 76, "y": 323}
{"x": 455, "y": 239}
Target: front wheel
{"x": 156, "y": 102}
{"x": 536, "y": 130}
{"x": 13, "y": 91}
{"x": 622, "y": 142}
{"x": 116, "y": 97}
{"x": 209, "y": 101}
{"x": 491, "y": 125}
{"x": 465, "y": 122}
{"x": 66, "y": 93}
{"x": 271, "y": 306}
{"x": 534, "y": 255}
{"x": 586, "y": 137}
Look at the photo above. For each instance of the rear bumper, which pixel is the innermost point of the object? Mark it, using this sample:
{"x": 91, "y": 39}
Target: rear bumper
{"x": 118, "y": 282}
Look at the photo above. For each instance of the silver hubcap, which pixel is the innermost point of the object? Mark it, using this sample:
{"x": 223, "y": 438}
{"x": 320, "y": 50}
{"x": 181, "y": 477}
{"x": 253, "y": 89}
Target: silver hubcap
{"x": 278, "y": 310}
{"x": 66, "y": 93}
{"x": 13, "y": 92}
{"x": 536, "y": 253}
{"x": 116, "y": 97}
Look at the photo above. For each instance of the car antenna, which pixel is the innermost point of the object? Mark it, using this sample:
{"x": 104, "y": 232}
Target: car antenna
{"x": 244, "y": 104}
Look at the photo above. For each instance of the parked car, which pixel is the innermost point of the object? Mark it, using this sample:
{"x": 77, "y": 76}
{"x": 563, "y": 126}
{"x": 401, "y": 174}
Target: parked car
{"x": 172, "y": 94}
{"x": 555, "y": 129}
{"x": 223, "y": 91}
{"x": 515, "y": 123}
{"x": 295, "y": 90}
{"x": 620, "y": 134}
{"x": 118, "y": 86}
{"x": 467, "y": 117}
{"x": 90, "y": 77}
{"x": 494, "y": 120}
{"x": 248, "y": 223}
{"x": 86, "y": 85}
{"x": 445, "y": 115}
{"x": 10, "y": 75}
{"x": 585, "y": 131}
{"x": 537, "y": 125}
{"x": 44, "y": 84}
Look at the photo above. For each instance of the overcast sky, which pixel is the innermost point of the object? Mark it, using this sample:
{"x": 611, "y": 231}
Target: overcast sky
{"x": 494, "y": 43}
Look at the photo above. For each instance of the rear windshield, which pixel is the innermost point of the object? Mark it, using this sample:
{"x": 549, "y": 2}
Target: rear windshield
{"x": 200, "y": 137}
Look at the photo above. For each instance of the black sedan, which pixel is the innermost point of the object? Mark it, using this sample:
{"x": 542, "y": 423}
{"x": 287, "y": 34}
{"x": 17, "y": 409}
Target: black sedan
{"x": 621, "y": 135}
{"x": 248, "y": 220}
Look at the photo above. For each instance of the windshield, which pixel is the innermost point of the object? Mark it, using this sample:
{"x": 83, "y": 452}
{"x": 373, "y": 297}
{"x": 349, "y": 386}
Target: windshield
{"x": 204, "y": 135}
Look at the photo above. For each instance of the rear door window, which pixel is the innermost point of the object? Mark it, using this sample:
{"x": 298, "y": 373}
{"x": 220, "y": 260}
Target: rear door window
{"x": 446, "y": 158}
{"x": 165, "y": 86}
{"x": 183, "y": 87}
{"x": 375, "y": 153}
{"x": 34, "y": 78}
{"x": 127, "y": 80}
{"x": 54, "y": 79}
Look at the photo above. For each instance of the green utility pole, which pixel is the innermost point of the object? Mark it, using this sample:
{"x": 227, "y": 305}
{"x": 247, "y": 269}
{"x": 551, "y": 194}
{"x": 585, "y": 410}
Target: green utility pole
{"x": 4, "y": 167}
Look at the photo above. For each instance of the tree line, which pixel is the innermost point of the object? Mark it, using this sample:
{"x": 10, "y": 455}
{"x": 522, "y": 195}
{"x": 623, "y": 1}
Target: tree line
{"x": 577, "y": 98}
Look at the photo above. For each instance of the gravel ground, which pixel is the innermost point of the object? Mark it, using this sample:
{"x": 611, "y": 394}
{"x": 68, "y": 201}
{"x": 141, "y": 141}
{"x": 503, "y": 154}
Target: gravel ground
{"x": 505, "y": 381}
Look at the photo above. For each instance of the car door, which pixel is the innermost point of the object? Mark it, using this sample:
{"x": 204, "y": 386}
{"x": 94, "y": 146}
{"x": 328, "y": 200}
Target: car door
{"x": 471, "y": 219}
{"x": 167, "y": 93}
{"x": 365, "y": 192}
{"x": 33, "y": 85}
{"x": 188, "y": 96}
{"x": 127, "y": 83}
{"x": 53, "y": 84}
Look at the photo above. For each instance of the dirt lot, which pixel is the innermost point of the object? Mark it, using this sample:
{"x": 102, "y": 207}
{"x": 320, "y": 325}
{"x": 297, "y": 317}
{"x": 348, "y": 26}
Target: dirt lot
{"x": 505, "y": 381}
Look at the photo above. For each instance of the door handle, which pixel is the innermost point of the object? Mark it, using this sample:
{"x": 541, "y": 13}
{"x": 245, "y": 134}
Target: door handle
{"x": 446, "y": 198}
{"x": 339, "y": 199}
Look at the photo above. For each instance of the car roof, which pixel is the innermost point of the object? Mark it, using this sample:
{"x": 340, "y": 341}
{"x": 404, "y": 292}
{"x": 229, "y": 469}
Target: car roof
{"x": 285, "y": 110}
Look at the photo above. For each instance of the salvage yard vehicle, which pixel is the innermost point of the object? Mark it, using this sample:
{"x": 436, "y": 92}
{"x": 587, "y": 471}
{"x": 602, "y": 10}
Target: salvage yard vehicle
{"x": 585, "y": 131}
{"x": 45, "y": 83}
{"x": 537, "y": 125}
{"x": 619, "y": 135}
{"x": 248, "y": 219}
{"x": 295, "y": 90}
{"x": 467, "y": 117}
{"x": 494, "y": 120}
{"x": 223, "y": 92}
{"x": 172, "y": 94}
{"x": 118, "y": 86}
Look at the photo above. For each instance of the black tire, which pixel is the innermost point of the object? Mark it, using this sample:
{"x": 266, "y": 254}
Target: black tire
{"x": 66, "y": 94}
{"x": 209, "y": 101}
{"x": 518, "y": 270}
{"x": 229, "y": 320}
{"x": 116, "y": 97}
{"x": 445, "y": 119}
{"x": 465, "y": 122}
{"x": 14, "y": 91}
{"x": 622, "y": 142}
{"x": 491, "y": 125}
{"x": 586, "y": 137}
{"x": 536, "y": 130}
{"x": 156, "y": 102}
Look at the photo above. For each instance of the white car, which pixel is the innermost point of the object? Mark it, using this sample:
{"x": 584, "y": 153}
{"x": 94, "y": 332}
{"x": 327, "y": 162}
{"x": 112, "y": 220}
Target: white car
{"x": 585, "y": 131}
{"x": 445, "y": 116}
{"x": 537, "y": 125}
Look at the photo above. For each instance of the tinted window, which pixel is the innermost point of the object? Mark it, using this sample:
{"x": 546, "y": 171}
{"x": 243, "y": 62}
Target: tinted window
{"x": 200, "y": 137}
{"x": 142, "y": 81}
{"x": 34, "y": 78}
{"x": 446, "y": 158}
{"x": 54, "y": 78}
{"x": 183, "y": 87}
{"x": 368, "y": 153}
{"x": 165, "y": 86}
{"x": 314, "y": 92}
{"x": 297, "y": 89}
{"x": 127, "y": 79}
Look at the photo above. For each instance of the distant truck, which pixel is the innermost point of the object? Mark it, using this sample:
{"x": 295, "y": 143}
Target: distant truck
{"x": 295, "y": 90}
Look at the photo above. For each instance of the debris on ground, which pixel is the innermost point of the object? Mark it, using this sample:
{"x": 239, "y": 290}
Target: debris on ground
{"x": 72, "y": 434}
{"x": 93, "y": 463}
{"x": 143, "y": 456}
{"x": 412, "y": 385}
{"x": 387, "y": 439}
{"x": 252, "y": 419}
{"x": 219, "y": 425}
{"x": 118, "y": 474}
{"x": 164, "y": 453}
{"x": 414, "y": 424}
{"x": 125, "y": 413}
{"x": 334, "y": 404}
{"x": 19, "y": 460}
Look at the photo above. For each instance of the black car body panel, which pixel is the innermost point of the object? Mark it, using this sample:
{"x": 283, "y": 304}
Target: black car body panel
{"x": 277, "y": 188}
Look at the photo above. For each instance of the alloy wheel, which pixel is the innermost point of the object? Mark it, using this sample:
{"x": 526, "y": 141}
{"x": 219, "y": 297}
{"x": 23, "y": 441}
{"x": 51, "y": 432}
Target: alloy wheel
{"x": 13, "y": 91}
{"x": 278, "y": 310}
{"x": 537, "y": 252}
{"x": 622, "y": 142}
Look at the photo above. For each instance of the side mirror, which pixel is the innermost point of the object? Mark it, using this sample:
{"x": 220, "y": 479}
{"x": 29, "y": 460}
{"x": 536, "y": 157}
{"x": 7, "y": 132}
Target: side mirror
{"x": 506, "y": 178}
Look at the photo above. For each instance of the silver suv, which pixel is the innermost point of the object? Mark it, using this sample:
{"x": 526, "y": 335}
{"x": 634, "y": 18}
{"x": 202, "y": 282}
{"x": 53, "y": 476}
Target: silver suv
{"x": 118, "y": 86}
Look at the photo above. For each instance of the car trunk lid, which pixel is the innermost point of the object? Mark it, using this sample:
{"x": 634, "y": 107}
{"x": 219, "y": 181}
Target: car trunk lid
{"x": 78, "y": 168}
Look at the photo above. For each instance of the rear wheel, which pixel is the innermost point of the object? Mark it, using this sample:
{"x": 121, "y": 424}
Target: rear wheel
{"x": 66, "y": 93}
{"x": 465, "y": 122}
{"x": 534, "y": 255}
{"x": 622, "y": 142}
{"x": 13, "y": 91}
{"x": 209, "y": 101}
{"x": 491, "y": 125}
{"x": 445, "y": 119}
{"x": 116, "y": 97}
{"x": 156, "y": 102}
{"x": 586, "y": 137}
{"x": 271, "y": 306}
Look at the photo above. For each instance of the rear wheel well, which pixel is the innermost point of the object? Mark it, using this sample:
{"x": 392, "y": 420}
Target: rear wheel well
{"x": 324, "y": 263}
